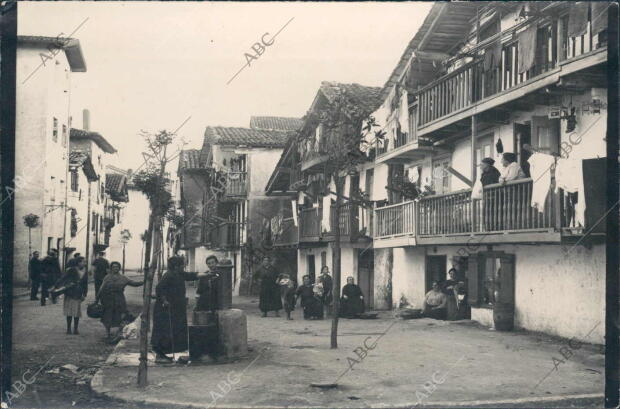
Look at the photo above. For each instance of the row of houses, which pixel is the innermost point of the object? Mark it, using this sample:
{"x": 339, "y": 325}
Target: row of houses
{"x": 476, "y": 80}
{"x": 63, "y": 174}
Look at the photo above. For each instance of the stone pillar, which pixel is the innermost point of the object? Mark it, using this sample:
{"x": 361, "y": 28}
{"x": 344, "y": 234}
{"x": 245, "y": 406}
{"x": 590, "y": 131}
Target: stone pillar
{"x": 233, "y": 333}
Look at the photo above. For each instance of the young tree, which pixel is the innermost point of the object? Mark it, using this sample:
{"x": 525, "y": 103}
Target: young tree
{"x": 31, "y": 221}
{"x": 125, "y": 237}
{"x": 153, "y": 183}
{"x": 346, "y": 127}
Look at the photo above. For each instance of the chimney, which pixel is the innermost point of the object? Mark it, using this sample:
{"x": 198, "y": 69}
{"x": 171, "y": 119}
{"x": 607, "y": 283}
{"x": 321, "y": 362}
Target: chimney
{"x": 86, "y": 119}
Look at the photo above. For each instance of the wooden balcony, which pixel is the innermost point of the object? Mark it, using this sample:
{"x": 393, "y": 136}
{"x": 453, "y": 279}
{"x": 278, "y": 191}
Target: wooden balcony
{"x": 236, "y": 184}
{"x": 355, "y": 224}
{"x": 503, "y": 214}
{"x": 288, "y": 236}
{"x": 226, "y": 236}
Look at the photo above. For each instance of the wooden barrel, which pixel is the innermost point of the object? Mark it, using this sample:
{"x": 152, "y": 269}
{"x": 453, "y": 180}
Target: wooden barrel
{"x": 503, "y": 316}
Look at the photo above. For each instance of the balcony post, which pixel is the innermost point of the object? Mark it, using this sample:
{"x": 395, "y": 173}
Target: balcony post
{"x": 473, "y": 163}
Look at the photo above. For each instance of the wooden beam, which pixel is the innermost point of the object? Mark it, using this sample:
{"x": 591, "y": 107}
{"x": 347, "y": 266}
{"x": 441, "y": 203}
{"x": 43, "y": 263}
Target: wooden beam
{"x": 428, "y": 34}
{"x": 431, "y": 56}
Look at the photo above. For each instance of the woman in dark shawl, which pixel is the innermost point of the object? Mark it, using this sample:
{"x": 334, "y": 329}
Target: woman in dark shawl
{"x": 112, "y": 297}
{"x": 75, "y": 282}
{"x": 169, "y": 314}
{"x": 352, "y": 301}
{"x": 270, "y": 299}
{"x": 310, "y": 302}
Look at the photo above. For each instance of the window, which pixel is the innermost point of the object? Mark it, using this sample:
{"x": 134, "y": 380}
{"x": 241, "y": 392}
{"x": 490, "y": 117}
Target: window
{"x": 55, "y": 130}
{"x": 323, "y": 259}
{"x": 74, "y": 180}
{"x": 49, "y": 243}
{"x": 64, "y": 136}
{"x": 395, "y": 181}
{"x": 484, "y": 148}
{"x": 545, "y": 135}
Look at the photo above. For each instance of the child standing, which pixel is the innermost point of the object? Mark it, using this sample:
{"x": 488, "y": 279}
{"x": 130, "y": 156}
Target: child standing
{"x": 287, "y": 291}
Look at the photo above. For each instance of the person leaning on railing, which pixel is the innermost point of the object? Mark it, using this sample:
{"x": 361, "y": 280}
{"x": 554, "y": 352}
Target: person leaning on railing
{"x": 512, "y": 170}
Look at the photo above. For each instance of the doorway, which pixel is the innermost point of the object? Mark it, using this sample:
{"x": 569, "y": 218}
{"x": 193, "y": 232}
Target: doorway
{"x": 435, "y": 270}
{"x": 523, "y": 136}
{"x": 365, "y": 276}
{"x": 311, "y": 267}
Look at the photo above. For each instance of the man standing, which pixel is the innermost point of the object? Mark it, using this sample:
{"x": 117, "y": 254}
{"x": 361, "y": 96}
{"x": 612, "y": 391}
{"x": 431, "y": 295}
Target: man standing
{"x": 34, "y": 272}
{"x": 208, "y": 287}
{"x": 101, "y": 269}
{"x": 50, "y": 274}
{"x": 269, "y": 289}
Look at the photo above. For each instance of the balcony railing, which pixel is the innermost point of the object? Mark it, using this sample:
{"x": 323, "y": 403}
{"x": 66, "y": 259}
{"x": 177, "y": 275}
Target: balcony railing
{"x": 469, "y": 84}
{"x": 355, "y": 222}
{"x": 288, "y": 235}
{"x": 310, "y": 224}
{"x": 502, "y": 208}
{"x": 226, "y": 235}
{"x": 236, "y": 184}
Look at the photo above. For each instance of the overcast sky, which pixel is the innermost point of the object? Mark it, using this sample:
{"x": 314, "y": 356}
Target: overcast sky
{"x": 151, "y": 65}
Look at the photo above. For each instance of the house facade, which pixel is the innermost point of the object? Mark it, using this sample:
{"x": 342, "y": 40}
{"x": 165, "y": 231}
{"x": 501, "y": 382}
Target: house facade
{"x": 42, "y": 143}
{"x": 222, "y": 190}
{"x": 529, "y": 79}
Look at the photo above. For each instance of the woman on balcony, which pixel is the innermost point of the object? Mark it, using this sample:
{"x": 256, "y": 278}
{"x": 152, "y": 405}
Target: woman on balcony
{"x": 512, "y": 170}
{"x": 489, "y": 174}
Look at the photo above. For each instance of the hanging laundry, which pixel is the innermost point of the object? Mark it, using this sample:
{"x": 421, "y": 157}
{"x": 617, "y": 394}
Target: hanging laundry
{"x": 578, "y": 19}
{"x": 403, "y": 117}
{"x": 540, "y": 170}
{"x": 599, "y": 16}
{"x": 499, "y": 146}
{"x": 294, "y": 211}
{"x": 476, "y": 191}
{"x": 527, "y": 50}
{"x": 325, "y": 220}
{"x": 492, "y": 56}
{"x": 413, "y": 174}
{"x": 569, "y": 177}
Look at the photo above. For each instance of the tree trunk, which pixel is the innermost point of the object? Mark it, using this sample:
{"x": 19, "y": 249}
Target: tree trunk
{"x": 123, "y": 258}
{"x": 336, "y": 261}
{"x": 154, "y": 226}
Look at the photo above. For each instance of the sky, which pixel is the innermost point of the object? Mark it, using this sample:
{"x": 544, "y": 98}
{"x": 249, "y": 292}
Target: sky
{"x": 152, "y": 65}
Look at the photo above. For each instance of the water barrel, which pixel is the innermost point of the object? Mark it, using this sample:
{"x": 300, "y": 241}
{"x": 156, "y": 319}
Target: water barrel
{"x": 504, "y": 316}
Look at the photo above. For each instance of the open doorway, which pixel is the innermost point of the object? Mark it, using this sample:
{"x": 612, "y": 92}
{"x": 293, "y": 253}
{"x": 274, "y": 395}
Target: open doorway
{"x": 365, "y": 275}
{"x": 311, "y": 267}
{"x": 523, "y": 136}
{"x": 435, "y": 270}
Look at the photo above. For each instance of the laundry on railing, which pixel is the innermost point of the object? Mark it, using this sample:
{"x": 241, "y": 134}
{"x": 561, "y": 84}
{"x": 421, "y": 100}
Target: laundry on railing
{"x": 541, "y": 166}
{"x": 569, "y": 177}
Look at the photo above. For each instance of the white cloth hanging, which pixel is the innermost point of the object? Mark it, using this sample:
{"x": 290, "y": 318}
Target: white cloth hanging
{"x": 403, "y": 117}
{"x": 540, "y": 172}
{"x": 476, "y": 191}
{"x": 294, "y": 211}
{"x": 569, "y": 176}
{"x": 413, "y": 174}
{"x": 326, "y": 222}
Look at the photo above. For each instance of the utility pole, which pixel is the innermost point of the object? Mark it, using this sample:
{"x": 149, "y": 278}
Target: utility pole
{"x": 88, "y": 230}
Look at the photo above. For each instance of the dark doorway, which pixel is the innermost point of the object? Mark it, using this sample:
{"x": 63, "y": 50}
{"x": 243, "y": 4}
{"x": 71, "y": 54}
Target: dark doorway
{"x": 435, "y": 270}
{"x": 522, "y": 136}
{"x": 365, "y": 276}
{"x": 311, "y": 267}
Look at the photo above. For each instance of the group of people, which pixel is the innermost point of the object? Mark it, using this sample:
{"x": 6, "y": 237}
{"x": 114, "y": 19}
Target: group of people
{"x": 511, "y": 170}
{"x": 279, "y": 291}
{"x": 447, "y": 300}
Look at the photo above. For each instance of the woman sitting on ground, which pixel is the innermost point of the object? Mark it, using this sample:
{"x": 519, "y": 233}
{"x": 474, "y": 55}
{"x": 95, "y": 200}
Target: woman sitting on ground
{"x": 352, "y": 301}
{"x": 310, "y": 300}
{"x": 435, "y": 303}
{"x": 112, "y": 297}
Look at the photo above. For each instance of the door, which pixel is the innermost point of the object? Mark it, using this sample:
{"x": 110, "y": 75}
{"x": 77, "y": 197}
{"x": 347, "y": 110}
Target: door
{"x": 522, "y": 136}
{"x": 311, "y": 267}
{"x": 435, "y": 270}
{"x": 395, "y": 181}
{"x": 365, "y": 276}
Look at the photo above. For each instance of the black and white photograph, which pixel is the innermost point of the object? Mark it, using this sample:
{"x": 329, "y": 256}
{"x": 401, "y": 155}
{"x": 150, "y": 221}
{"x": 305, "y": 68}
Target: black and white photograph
{"x": 254, "y": 204}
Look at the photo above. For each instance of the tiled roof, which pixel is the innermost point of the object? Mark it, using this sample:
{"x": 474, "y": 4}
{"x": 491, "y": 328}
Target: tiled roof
{"x": 77, "y": 158}
{"x": 190, "y": 159}
{"x": 114, "y": 182}
{"x": 367, "y": 98}
{"x": 275, "y": 123}
{"x": 219, "y": 135}
{"x": 93, "y": 136}
{"x": 82, "y": 159}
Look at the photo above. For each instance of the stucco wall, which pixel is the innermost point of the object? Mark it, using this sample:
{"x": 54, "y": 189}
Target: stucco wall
{"x": 383, "y": 278}
{"x": 261, "y": 164}
{"x": 408, "y": 278}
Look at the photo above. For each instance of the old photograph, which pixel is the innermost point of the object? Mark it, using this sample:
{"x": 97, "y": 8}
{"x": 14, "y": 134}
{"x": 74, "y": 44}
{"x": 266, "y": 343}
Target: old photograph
{"x": 309, "y": 204}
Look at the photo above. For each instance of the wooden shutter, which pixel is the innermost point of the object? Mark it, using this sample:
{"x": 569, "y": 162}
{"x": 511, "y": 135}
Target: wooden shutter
{"x": 475, "y": 262}
{"x": 506, "y": 279}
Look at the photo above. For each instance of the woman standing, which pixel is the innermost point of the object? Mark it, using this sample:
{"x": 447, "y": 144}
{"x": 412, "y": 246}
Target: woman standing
{"x": 112, "y": 297}
{"x": 169, "y": 314}
{"x": 75, "y": 280}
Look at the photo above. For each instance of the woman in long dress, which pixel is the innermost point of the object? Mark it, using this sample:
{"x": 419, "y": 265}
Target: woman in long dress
{"x": 269, "y": 299}
{"x": 169, "y": 314}
{"x": 75, "y": 281}
{"x": 352, "y": 301}
{"x": 112, "y": 297}
{"x": 310, "y": 300}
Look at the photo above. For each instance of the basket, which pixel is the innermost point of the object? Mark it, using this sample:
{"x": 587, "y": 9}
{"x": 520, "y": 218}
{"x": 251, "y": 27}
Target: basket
{"x": 94, "y": 310}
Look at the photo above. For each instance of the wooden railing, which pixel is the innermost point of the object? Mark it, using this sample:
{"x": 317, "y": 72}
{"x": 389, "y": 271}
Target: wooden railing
{"x": 236, "y": 184}
{"x": 503, "y": 207}
{"x": 288, "y": 235}
{"x": 352, "y": 221}
{"x": 226, "y": 235}
{"x": 310, "y": 223}
{"x": 470, "y": 83}
{"x": 395, "y": 220}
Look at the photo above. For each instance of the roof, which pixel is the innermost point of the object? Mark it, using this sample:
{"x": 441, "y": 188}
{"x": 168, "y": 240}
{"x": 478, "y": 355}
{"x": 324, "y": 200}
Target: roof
{"x": 190, "y": 159}
{"x": 258, "y": 138}
{"x": 275, "y": 123}
{"x": 82, "y": 159}
{"x": 278, "y": 179}
{"x": 116, "y": 186}
{"x": 367, "y": 98}
{"x": 71, "y": 47}
{"x": 93, "y": 136}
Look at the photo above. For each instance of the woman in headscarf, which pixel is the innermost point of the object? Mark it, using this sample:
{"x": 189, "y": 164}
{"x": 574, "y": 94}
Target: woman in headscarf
{"x": 310, "y": 301}
{"x": 112, "y": 297}
{"x": 169, "y": 314}
{"x": 352, "y": 301}
{"x": 75, "y": 282}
